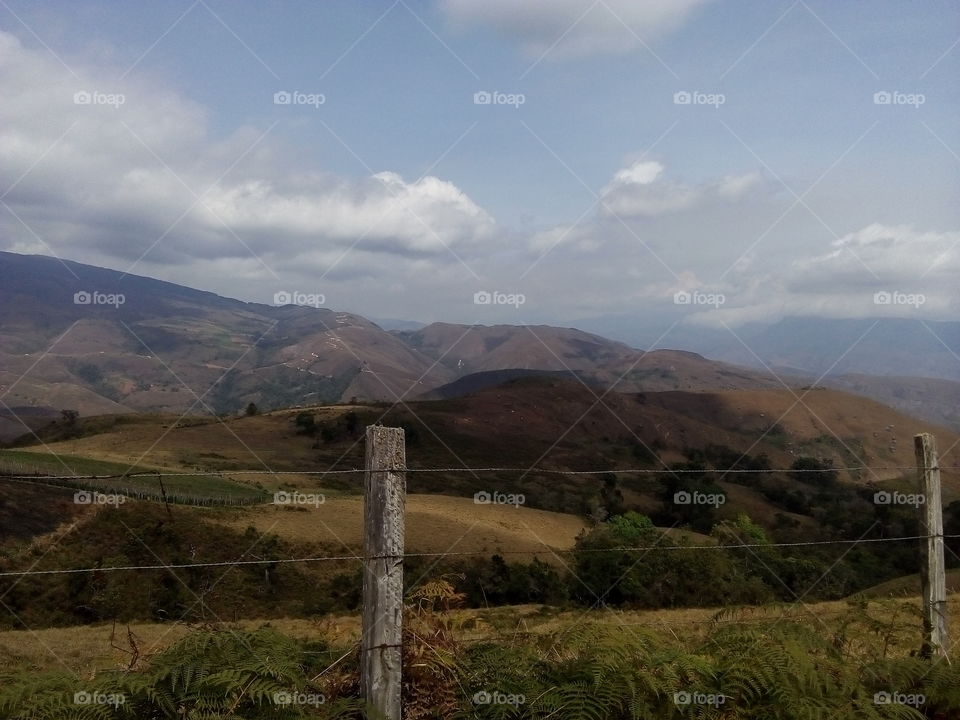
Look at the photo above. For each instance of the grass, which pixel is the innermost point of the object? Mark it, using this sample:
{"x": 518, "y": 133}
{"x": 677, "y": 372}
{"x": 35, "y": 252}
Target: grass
{"x": 434, "y": 523}
{"x": 199, "y": 486}
{"x": 910, "y": 585}
{"x": 896, "y": 622}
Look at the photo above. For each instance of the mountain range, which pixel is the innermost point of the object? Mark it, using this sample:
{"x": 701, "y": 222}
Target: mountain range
{"x": 76, "y": 336}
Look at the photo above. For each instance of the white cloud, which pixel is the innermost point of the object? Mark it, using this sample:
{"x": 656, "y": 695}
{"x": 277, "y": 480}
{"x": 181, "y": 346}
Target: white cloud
{"x": 424, "y": 216}
{"x": 640, "y": 191}
{"x": 843, "y": 281}
{"x": 572, "y": 28}
{"x": 641, "y": 173}
{"x": 736, "y": 186}
{"x": 880, "y": 256}
{"x": 121, "y": 177}
{"x": 641, "y": 194}
{"x": 98, "y": 195}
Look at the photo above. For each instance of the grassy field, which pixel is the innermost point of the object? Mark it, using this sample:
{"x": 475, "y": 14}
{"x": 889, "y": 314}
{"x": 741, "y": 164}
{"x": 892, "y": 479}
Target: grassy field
{"x": 895, "y": 629}
{"x": 910, "y": 585}
{"x": 200, "y": 485}
{"x": 434, "y": 523}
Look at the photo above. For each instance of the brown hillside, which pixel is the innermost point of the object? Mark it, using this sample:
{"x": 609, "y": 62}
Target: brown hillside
{"x": 547, "y": 423}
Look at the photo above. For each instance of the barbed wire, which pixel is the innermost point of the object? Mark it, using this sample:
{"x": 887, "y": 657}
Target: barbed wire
{"x": 473, "y": 553}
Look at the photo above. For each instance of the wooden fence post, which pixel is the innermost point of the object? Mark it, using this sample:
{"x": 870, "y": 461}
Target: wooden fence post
{"x": 383, "y": 505}
{"x": 933, "y": 579}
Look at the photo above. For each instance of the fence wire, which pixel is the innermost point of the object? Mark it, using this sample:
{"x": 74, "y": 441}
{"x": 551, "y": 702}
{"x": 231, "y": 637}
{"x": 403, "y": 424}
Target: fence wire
{"x": 528, "y": 471}
{"x": 471, "y": 553}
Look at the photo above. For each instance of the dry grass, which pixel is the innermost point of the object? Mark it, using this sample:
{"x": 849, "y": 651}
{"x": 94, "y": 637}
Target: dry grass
{"x": 194, "y": 443}
{"x": 910, "y": 585}
{"x": 434, "y": 523}
{"x": 86, "y": 649}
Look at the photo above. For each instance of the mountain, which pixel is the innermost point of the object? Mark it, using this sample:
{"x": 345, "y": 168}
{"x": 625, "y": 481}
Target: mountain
{"x": 544, "y": 421}
{"x": 469, "y": 384}
{"x": 392, "y": 324}
{"x": 912, "y": 365}
{"x": 895, "y": 347}
{"x": 478, "y": 348}
{"x": 100, "y": 341}
{"x": 934, "y": 400}
{"x": 870, "y": 346}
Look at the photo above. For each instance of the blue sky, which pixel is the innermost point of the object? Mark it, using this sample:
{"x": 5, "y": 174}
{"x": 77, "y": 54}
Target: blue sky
{"x": 522, "y": 199}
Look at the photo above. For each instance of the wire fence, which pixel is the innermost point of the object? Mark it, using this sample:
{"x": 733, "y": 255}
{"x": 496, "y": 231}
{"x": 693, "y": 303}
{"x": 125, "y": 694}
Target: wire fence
{"x": 476, "y": 553}
{"x": 101, "y": 483}
{"x": 86, "y": 482}
{"x": 525, "y": 470}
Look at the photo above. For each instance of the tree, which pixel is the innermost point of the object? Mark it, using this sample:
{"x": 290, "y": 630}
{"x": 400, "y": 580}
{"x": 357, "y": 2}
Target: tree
{"x": 306, "y": 425}
{"x": 632, "y": 528}
{"x": 69, "y": 417}
{"x": 352, "y": 423}
{"x": 611, "y": 495}
{"x": 252, "y": 409}
{"x": 813, "y": 471}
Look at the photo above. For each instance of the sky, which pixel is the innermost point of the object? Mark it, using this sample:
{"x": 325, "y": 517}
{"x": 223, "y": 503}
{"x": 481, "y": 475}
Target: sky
{"x": 485, "y": 161}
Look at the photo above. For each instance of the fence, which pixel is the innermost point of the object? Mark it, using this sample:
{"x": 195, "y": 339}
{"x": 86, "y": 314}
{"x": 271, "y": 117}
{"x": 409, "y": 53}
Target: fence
{"x": 384, "y": 477}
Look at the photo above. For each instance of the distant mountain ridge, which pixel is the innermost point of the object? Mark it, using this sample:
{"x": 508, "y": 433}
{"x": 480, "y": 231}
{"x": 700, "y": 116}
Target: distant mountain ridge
{"x": 910, "y": 364}
{"x": 99, "y": 341}
{"x": 887, "y": 346}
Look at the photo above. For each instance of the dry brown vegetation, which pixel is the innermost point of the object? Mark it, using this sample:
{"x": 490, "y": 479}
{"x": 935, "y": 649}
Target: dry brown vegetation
{"x": 84, "y": 649}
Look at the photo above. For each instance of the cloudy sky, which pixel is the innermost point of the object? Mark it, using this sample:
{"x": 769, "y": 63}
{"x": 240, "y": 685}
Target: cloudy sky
{"x": 721, "y": 162}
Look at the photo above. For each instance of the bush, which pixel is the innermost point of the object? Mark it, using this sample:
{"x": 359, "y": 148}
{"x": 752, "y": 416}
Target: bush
{"x": 813, "y": 471}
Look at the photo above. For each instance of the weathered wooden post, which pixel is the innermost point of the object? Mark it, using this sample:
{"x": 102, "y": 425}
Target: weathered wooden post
{"x": 383, "y": 505}
{"x": 933, "y": 579}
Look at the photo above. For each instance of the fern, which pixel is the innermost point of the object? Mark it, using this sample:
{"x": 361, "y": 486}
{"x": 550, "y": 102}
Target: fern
{"x": 782, "y": 670}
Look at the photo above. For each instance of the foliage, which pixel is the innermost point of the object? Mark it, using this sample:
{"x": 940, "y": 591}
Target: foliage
{"x": 306, "y": 423}
{"x": 693, "y": 478}
{"x": 660, "y": 573}
{"x": 496, "y": 582}
{"x": 784, "y": 668}
{"x": 215, "y": 674}
{"x": 145, "y": 535}
{"x": 813, "y": 471}
{"x": 431, "y": 683}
